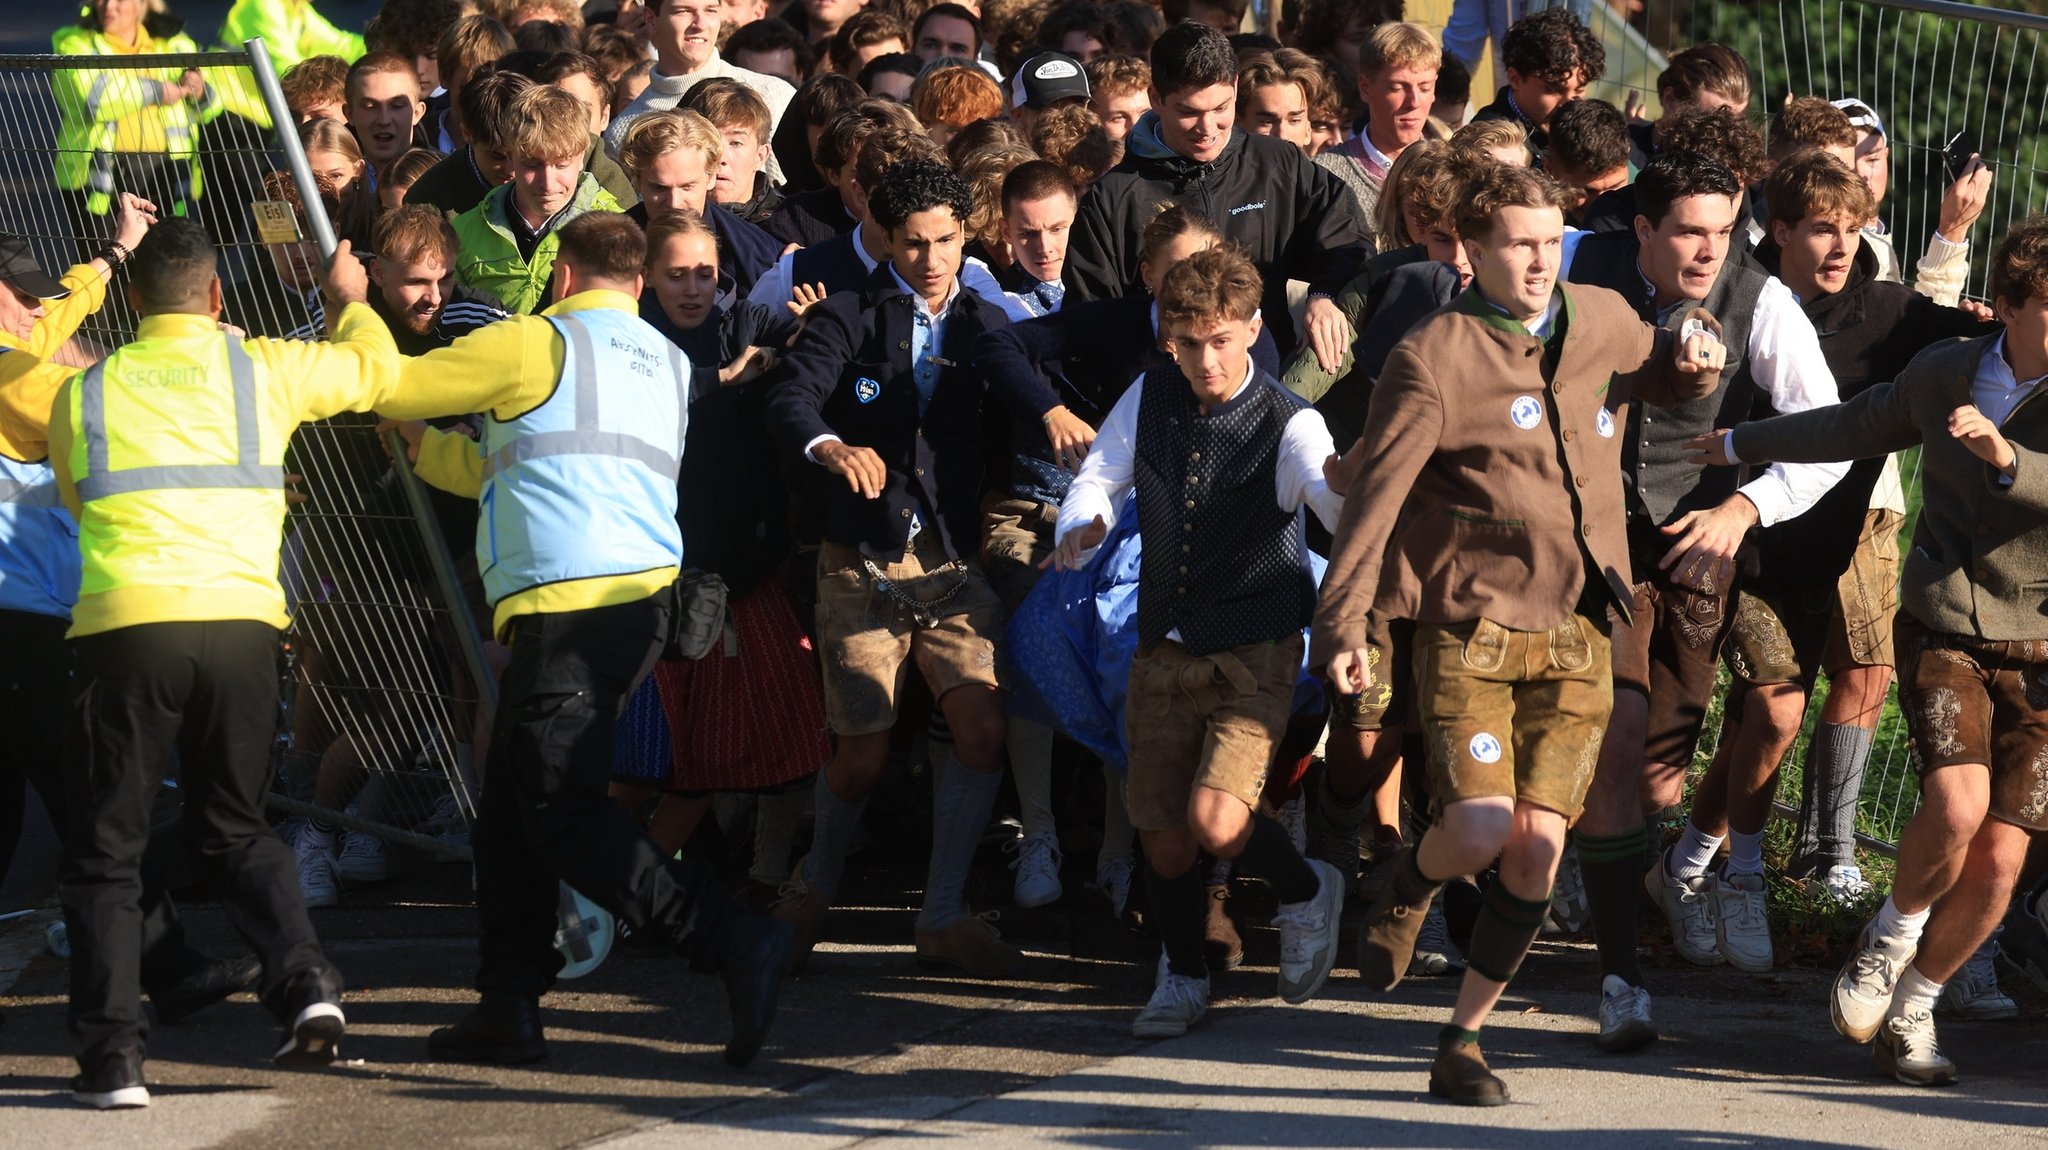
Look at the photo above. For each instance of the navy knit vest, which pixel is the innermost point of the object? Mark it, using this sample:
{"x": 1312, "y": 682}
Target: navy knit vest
{"x": 1656, "y": 478}
{"x": 1221, "y": 562}
{"x": 833, "y": 263}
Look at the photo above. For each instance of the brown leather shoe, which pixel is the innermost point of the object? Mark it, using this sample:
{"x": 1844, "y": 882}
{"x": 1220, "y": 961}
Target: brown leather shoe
{"x": 1221, "y": 944}
{"x": 803, "y": 907}
{"x": 969, "y": 944}
{"x": 1460, "y": 1075}
{"x": 1386, "y": 937}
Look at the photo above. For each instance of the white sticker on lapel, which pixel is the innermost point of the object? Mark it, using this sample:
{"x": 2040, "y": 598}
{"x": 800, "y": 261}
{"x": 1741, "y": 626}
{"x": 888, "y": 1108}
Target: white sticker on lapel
{"x": 1484, "y": 747}
{"x": 1604, "y": 424}
{"x": 1526, "y": 411}
{"x": 865, "y": 389}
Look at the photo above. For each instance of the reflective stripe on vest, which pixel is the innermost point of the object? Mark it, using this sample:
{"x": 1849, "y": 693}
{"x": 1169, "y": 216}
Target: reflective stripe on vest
{"x": 23, "y": 493}
{"x": 586, "y": 439}
{"x": 99, "y": 481}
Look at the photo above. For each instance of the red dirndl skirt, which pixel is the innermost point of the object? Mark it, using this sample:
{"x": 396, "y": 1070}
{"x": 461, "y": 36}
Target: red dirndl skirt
{"x": 751, "y": 714}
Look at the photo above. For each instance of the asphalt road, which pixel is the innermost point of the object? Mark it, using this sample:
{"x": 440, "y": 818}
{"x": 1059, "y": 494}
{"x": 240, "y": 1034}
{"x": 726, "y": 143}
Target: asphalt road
{"x": 870, "y": 1048}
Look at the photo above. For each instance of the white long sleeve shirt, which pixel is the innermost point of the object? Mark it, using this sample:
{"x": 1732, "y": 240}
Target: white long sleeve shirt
{"x": 1111, "y": 466}
{"x": 776, "y": 287}
{"x": 1785, "y": 360}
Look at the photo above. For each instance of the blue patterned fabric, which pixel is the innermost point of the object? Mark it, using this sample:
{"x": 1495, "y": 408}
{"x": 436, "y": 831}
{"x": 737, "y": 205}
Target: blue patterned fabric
{"x": 1069, "y": 645}
{"x": 641, "y": 747}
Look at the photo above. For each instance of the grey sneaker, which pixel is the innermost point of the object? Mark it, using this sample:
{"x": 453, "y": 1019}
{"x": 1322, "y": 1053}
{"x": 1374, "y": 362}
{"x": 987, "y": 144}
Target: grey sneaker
{"x": 1863, "y": 989}
{"x": 1178, "y": 1002}
{"x": 1569, "y": 909}
{"x": 1308, "y": 935}
{"x": 1624, "y": 1016}
{"x": 1974, "y": 992}
{"x": 1906, "y": 1049}
{"x": 1689, "y": 908}
{"x": 1742, "y": 926}
{"x": 1436, "y": 956}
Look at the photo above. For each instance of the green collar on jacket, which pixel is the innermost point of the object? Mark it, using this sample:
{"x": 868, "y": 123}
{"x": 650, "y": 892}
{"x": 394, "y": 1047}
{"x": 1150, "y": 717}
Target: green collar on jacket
{"x": 1480, "y": 308}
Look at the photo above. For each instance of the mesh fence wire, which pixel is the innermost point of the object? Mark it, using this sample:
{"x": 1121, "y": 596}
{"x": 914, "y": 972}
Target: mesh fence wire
{"x": 378, "y": 723}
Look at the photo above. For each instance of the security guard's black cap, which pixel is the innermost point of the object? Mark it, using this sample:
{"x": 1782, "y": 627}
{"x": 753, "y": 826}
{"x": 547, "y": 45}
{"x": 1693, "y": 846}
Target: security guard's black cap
{"x": 20, "y": 271}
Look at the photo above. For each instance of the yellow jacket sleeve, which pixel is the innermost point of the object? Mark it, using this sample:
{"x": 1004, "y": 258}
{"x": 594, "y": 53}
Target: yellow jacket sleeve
{"x": 452, "y": 462}
{"x": 28, "y": 389}
{"x": 507, "y": 368}
{"x": 62, "y": 317}
{"x": 352, "y": 372}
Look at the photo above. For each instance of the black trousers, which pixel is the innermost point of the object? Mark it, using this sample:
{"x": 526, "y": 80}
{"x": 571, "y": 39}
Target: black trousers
{"x": 545, "y": 817}
{"x": 34, "y": 682}
{"x": 209, "y": 690}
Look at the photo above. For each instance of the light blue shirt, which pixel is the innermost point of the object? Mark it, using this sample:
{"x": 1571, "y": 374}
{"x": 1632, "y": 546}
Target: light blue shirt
{"x": 927, "y": 337}
{"x": 1995, "y": 391}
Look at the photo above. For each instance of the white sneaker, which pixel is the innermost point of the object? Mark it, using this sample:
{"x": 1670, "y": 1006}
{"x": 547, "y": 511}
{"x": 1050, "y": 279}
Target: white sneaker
{"x": 319, "y": 882}
{"x": 1908, "y": 1051}
{"x": 1863, "y": 990}
{"x": 1688, "y": 907}
{"x": 1308, "y": 935}
{"x": 1974, "y": 991}
{"x": 1113, "y": 878}
{"x": 1435, "y": 954}
{"x": 362, "y": 859}
{"x": 1624, "y": 1015}
{"x": 1742, "y": 925}
{"x": 1569, "y": 909}
{"x": 1844, "y": 882}
{"x": 1178, "y": 1002}
{"x": 1293, "y": 814}
{"x": 1038, "y": 869}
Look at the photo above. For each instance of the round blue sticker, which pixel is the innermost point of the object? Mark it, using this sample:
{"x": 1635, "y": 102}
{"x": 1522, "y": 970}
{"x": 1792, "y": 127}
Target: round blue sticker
{"x": 1527, "y": 412}
{"x": 1484, "y": 747}
{"x": 1604, "y": 424}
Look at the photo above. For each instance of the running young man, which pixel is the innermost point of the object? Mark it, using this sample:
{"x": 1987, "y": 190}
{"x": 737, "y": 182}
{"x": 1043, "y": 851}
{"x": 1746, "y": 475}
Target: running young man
{"x": 1513, "y": 580}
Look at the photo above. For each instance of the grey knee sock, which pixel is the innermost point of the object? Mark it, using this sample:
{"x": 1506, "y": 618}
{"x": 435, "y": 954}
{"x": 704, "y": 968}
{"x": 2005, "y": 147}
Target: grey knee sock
{"x": 1835, "y": 765}
{"x": 959, "y": 816}
{"x": 775, "y": 820}
{"x": 835, "y": 824}
{"x": 1030, "y": 748}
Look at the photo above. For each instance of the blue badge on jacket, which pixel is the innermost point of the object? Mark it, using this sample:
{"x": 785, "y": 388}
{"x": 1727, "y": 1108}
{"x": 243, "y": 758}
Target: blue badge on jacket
{"x": 865, "y": 389}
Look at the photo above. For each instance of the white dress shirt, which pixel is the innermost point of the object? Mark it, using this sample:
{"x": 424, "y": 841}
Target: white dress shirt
{"x": 1111, "y": 466}
{"x": 776, "y": 287}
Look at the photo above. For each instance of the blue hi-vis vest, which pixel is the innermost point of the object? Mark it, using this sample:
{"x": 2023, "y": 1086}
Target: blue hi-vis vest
{"x": 39, "y": 565}
{"x": 584, "y": 485}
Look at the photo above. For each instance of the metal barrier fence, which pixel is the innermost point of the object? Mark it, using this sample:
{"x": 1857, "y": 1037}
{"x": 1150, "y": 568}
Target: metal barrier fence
{"x": 377, "y": 727}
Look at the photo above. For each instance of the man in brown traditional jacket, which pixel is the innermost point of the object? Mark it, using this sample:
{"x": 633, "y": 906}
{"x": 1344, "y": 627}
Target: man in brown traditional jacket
{"x": 1488, "y": 482}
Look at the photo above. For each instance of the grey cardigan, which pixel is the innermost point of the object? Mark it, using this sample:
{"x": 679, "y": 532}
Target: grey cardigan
{"x": 1979, "y": 561}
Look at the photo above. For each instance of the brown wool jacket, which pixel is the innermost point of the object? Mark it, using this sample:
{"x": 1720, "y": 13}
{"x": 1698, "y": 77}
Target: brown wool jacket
{"x": 1485, "y": 492}
{"x": 1979, "y": 561}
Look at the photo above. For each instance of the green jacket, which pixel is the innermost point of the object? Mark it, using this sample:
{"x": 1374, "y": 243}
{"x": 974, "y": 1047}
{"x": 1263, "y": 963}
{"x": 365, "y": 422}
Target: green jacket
{"x": 488, "y": 260}
{"x": 102, "y": 111}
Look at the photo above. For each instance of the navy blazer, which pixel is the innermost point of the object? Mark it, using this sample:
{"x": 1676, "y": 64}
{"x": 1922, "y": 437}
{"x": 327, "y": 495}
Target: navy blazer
{"x": 849, "y": 375}
{"x": 745, "y": 252}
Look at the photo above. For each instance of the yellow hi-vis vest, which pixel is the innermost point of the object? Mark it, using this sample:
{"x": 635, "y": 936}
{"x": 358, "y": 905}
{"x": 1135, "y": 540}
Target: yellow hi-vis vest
{"x": 181, "y": 498}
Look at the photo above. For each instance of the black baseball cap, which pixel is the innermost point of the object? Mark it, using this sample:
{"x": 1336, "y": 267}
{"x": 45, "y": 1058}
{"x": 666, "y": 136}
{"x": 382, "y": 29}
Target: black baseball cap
{"x": 1046, "y": 79}
{"x": 20, "y": 271}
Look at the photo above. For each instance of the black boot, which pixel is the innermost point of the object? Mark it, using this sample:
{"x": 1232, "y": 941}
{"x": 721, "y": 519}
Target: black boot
{"x": 204, "y": 982}
{"x": 502, "y": 1030}
{"x": 757, "y": 955}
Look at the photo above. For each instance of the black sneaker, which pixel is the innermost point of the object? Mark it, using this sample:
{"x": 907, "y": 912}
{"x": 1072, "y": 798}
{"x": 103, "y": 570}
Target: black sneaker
{"x": 313, "y": 1036}
{"x": 112, "y": 1083}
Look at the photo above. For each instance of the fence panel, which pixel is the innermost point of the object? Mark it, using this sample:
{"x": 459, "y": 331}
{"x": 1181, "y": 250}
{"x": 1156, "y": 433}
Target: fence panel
{"x": 378, "y": 727}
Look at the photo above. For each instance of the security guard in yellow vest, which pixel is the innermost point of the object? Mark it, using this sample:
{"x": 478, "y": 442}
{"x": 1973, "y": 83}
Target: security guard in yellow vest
{"x": 170, "y": 455}
{"x": 579, "y": 547}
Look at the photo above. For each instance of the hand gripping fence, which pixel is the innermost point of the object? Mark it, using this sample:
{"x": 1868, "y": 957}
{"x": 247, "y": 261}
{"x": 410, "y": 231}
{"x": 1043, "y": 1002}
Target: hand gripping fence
{"x": 387, "y": 684}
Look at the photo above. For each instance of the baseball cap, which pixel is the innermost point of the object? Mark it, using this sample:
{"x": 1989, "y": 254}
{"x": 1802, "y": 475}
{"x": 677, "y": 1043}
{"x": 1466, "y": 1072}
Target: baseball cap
{"x": 1862, "y": 116}
{"x": 20, "y": 271}
{"x": 1046, "y": 79}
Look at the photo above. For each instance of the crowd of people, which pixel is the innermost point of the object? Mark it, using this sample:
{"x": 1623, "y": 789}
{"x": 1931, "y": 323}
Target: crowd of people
{"x": 1017, "y": 342}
